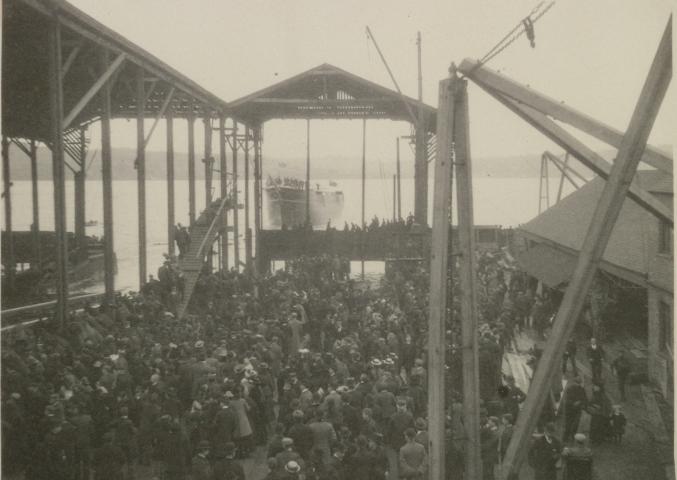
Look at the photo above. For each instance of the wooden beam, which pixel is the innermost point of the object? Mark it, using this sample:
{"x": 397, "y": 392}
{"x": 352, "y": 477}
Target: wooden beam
{"x": 141, "y": 173}
{"x": 308, "y": 172}
{"x": 58, "y": 173}
{"x": 208, "y": 158}
{"x": 93, "y": 90}
{"x": 107, "y": 179}
{"x": 364, "y": 185}
{"x": 160, "y": 114}
{"x": 9, "y": 262}
{"x": 438, "y": 282}
{"x": 558, "y": 110}
{"x": 70, "y": 59}
{"x": 35, "y": 195}
{"x": 566, "y": 166}
{"x": 601, "y": 226}
{"x": 584, "y": 154}
{"x": 247, "y": 229}
{"x": 399, "y": 180}
{"x": 224, "y": 190}
{"x": 467, "y": 282}
{"x": 79, "y": 191}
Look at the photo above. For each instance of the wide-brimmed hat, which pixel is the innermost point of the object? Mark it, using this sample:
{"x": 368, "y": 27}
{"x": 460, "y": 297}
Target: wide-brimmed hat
{"x": 292, "y": 467}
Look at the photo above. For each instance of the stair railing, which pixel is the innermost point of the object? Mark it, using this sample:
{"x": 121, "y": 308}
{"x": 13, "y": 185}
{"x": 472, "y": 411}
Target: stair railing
{"x": 214, "y": 227}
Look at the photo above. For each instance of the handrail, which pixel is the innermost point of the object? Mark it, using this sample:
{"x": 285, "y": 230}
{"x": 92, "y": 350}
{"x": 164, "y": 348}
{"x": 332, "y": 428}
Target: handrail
{"x": 217, "y": 219}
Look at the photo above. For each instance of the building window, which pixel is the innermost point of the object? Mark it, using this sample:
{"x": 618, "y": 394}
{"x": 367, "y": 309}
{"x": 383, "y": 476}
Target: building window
{"x": 665, "y": 238}
{"x": 666, "y": 328}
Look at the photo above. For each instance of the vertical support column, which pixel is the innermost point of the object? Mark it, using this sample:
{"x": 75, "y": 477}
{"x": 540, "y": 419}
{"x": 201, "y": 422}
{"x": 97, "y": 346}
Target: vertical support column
{"x": 247, "y": 229}
{"x": 191, "y": 165}
{"x": 223, "y": 167}
{"x": 106, "y": 174}
{"x": 58, "y": 173}
{"x": 364, "y": 180}
{"x": 236, "y": 210}
{"x": 170, "y": 181}
{"x": 394, "y": 198}
{"x": 257, "y": 195}
{"x": 421, "y": 176}
{"x": 35, "y": 228}
{"x": 141, "y": 173}
{"x": 10, "y": 264}
{"x": 467, "y": 279}
{"x": 596, "y": 240}
{"x": 399, "y": 182}
{"x": 208, "y": 158}
{"x": 438, "y": 283}
{"x": 79, "y": 177}
{"x": 308, "y": 172}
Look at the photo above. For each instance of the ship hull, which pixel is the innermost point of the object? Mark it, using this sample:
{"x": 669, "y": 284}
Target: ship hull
{"x": 287, "y": 207}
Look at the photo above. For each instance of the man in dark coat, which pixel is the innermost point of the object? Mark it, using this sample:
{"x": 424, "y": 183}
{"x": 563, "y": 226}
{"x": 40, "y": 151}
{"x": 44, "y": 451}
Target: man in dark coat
{"x": 224, "y": 427}
{"x": 575, "y": 400}
{"x": 225, "y": 465}
{"x": 621, "y": 367}
{"x": 544, "y": 454}
{"x": 302, "y": 435}
{"x": 595, "y": 356}
{"x": 398, "y": 423}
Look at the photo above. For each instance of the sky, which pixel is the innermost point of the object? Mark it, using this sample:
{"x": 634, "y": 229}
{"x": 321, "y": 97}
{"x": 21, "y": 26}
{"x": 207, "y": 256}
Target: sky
{"x": 593, "y": 55}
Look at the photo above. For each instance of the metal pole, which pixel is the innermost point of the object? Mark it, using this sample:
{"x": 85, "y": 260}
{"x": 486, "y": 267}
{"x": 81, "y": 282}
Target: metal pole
{"x": 399, "y": 182}
{"x": 58, "y": 173}
{"x": 191, "y": 165}
{"x": 308, "y": 172}
{"x": 364, "y": 180}
{"x": 10, "y": 264}
{"x": 170, "y": 182}
{"x": 37, "y": 248}
{"x": 561, "y": 180}
{"x": 421, "y": 168}
{"x": 208, "y": 158}
{"x": 467, "y": 277}
{"x": 79, "y": 177}
{"x": 599, "y": 231}
{"x": 223, "y": 167}
{"x": 394, "y": 197}
{"x": 438, "y": 282}
{"x": 107, "y": 176}
{"x": 247, "y": 229}
{"x": 257, "y": 193}
{"x": 141, "y": 173}
{"x": 236, "y": 210}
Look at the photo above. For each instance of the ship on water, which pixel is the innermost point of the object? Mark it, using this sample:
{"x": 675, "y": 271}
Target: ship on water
{"x": 287, "y": 202}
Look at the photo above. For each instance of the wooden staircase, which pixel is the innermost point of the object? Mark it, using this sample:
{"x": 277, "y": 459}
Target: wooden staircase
{"x": 202, "y": 236}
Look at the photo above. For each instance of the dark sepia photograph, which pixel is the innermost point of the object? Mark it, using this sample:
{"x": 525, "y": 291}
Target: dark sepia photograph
{"x": 337, "y": 240}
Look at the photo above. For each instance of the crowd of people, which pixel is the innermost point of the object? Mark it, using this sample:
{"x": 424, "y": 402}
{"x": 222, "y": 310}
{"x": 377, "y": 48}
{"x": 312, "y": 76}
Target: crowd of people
{"x": 327, "y": 374}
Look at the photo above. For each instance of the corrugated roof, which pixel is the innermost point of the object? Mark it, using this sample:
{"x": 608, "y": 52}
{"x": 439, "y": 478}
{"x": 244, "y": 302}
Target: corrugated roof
{"x": 567, "y": 223}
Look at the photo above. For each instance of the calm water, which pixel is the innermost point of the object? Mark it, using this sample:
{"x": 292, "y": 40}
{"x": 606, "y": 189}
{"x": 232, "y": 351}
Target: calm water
{"x": 498, "y": 201}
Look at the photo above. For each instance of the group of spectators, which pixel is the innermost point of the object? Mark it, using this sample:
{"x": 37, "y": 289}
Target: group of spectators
{"x": 327, "y": 374}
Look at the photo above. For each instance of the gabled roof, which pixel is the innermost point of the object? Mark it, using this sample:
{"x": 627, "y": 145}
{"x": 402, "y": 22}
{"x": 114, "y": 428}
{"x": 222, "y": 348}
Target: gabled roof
{"x": 327, "y": 91}
{"x": 566, "y": 224}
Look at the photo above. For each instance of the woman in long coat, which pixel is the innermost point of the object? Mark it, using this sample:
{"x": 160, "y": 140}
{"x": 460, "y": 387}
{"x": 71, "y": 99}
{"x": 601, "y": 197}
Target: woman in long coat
{"x": 599, "y": 409}
{"x": 243, "y": 432}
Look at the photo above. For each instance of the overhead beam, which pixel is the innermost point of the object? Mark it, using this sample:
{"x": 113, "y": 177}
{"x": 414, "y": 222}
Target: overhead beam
{"x": 69, "y": 61}
{"x": 565, "y": 165}
{"x": 93, "y": 90}
{"x": 557, "y": 110}
{"x": 601, "y": 226}
{"x": 583, "y": 153}
{"x": 159, "y": 115}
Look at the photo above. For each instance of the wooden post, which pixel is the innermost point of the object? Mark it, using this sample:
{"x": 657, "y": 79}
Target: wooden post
{"x": 170, "y": 182}
{"x": 564, "y": 174}
{"x": 394, "y": 198}
{"x": 58, "y": 173}
{"x": 421, "y": 161}
{"x": 208, "y": 158}
{"x": 236, "y": 210}
{"x": 399, "y": 182}
{"x": 223, "y": 167}
{"x": 247, "y": 229}
{"x": 79, "y": 191}
{"x": 107, "y": 177}
{"x": 601, "y": 226}
{"x": 141, "y": 173}
{"x": 467, "y": 277}
{"x": 257, "y": 195}
{"x": 10, "y": 263}
{"x": 438, "y": 282}
{"x": 37, "y": 248}
{"x": 191, "y": 165}
{"x": 308, "y": 172}
{"x": 364, "y": 180}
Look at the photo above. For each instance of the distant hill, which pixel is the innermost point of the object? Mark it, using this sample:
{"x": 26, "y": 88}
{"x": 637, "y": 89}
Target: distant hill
{"x": 326, "y": 167}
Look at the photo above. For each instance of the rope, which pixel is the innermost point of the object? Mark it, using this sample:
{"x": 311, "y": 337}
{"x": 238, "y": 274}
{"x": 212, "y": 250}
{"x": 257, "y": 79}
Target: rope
{"x": 526, "y": 25}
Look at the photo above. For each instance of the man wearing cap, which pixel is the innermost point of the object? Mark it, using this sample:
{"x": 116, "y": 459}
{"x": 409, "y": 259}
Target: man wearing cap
{"x": 412, "y": 457}
{"x": 595, "y": 356}
{"x": 324, "y": 436}
{"x": 287, "y": 455}
{"x": 577, "y": 460}
{"x": 302, "y": 434}
{"x": 225, "y": 424}
{"x": 574, "y": 400}
{"x": 201, "y": 467}
{"x": 544, "y": 454}
{"x": 225, "y": 465}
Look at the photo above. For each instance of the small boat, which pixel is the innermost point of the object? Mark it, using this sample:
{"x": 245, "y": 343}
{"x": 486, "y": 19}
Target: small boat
{"x": 91, "y": 223}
